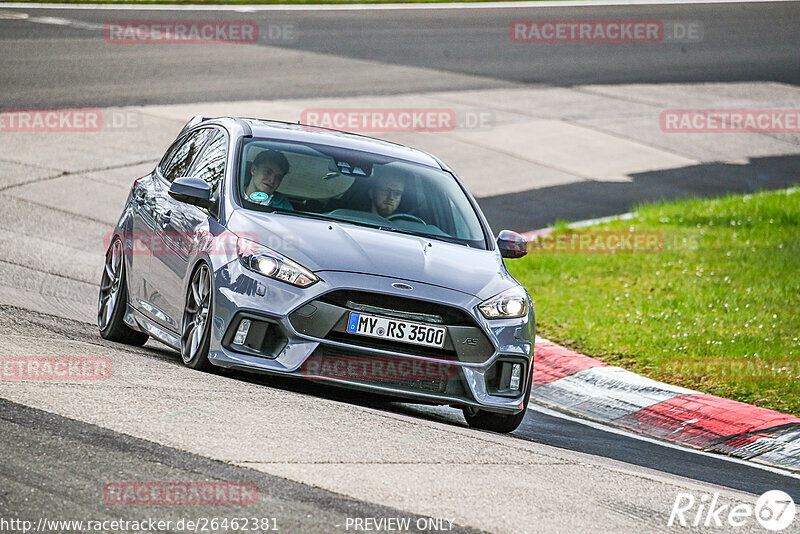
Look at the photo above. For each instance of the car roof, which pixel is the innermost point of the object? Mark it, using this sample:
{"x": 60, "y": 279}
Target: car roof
{"x": 287, "y": 131}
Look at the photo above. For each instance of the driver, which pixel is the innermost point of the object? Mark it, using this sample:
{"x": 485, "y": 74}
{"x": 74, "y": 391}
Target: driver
{"x": 266, "y": 173}
{"x": 386, "y": 193}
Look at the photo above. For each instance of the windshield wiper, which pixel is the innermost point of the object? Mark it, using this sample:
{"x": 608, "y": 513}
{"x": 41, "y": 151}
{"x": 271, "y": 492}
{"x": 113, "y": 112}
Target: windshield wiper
{"x": 320, "y": 217}
{"x": 298, "y": 213}
{"x": 445, "y": 238}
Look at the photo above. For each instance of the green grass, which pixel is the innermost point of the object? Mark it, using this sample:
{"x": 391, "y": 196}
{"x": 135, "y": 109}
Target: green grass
{"x": 717, "y": 310}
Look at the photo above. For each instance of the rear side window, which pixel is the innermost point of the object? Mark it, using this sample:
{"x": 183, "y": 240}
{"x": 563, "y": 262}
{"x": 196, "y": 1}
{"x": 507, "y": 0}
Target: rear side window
{"x": 210, "y": 165}
{"x": 184, "y": 154}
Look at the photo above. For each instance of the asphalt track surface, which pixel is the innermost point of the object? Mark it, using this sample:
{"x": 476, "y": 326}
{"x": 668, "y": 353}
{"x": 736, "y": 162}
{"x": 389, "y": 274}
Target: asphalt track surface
{"x": 59, "y": 58}
{"x": 56, "y": 467}
{"x": 63, "y": 65}
{"x": 53, "y": 465}
{"x": 62, "y": 486}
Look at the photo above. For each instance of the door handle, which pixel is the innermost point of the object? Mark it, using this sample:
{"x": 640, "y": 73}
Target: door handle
{"x": 165, "y": 217}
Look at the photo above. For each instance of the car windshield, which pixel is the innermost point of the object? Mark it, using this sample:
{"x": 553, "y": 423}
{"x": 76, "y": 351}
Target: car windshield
{"x": 358, "y": 188}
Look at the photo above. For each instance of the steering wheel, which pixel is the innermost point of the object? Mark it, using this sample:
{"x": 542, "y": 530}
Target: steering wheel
{"x": 406, "y": 217}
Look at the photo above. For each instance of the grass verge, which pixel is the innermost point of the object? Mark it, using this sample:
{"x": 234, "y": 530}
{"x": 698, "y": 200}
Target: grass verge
{"x": 717, "y": 309}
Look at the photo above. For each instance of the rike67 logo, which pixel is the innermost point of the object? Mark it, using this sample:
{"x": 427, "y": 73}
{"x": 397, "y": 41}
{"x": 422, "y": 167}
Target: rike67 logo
{"x": 774, "y": 511}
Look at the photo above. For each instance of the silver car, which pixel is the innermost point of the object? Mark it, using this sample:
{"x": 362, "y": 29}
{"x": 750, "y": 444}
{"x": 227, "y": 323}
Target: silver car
{"x": 285, "y": 249}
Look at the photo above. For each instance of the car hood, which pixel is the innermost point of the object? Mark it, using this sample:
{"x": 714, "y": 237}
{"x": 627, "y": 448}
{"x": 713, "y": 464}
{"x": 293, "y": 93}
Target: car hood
{"x": 322, "y": 245}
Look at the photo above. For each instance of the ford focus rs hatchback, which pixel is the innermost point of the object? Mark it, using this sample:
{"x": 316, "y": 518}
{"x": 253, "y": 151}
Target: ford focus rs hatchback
{"x": 285, "y": 249}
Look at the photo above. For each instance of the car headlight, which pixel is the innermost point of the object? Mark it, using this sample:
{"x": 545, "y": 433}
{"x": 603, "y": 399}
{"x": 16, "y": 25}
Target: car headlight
{"x": 507, "y": 305}
{"x": 266, "y": 261}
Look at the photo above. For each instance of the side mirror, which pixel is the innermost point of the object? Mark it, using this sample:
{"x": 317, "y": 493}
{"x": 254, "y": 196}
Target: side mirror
{"x": 192, "y": 191}
{"x": 511, "y": 244}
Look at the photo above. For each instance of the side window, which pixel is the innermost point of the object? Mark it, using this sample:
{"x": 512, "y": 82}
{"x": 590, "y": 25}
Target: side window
{"x": 182, "y": 157}
{"x": 211, "y": 163}
{"x": 162, "y": 165}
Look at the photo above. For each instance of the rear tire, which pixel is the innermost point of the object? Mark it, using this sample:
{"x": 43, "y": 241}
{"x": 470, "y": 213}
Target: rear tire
{"x": 113, "y": 299}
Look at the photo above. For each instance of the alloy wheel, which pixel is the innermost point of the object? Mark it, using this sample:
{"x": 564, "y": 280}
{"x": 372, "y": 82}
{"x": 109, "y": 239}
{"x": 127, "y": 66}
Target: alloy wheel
{"x": 195, "y": 316}
{"x": 110, "y": 285}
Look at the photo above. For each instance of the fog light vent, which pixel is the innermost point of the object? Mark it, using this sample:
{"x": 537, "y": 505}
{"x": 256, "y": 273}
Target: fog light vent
{"x": 255, "y": 336}
{"x": 241, "y": 332}
{"x": 506, "y": 377}
{"x": 516, "y": 374}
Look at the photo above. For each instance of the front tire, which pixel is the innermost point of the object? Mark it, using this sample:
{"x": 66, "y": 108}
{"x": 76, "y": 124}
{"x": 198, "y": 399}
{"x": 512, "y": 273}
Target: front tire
{"x": 494, "y": 422}
{"x": 113, "y": 299}
{"x": 498, "y": 422}
{"x": 196, "y": 331}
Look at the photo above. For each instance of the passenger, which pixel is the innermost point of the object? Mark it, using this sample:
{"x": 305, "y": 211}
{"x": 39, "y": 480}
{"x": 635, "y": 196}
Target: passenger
{"x": 266, "y": 174}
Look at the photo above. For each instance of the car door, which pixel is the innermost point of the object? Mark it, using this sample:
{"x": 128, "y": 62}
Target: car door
{"x": 142, "y": 234}
{"x": 166, "y": 245}
{"x": 138, "y": 260}
{"x": 183, "y": 226}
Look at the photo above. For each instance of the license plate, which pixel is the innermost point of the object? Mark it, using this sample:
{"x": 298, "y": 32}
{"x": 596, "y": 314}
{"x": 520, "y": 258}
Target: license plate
{"x": 395, "y": 330}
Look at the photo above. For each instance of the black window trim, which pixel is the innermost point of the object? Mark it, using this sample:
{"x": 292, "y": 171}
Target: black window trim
{"x": 225, "y": 135}
{"x": 220, "y": 190}
{"x": 178, "y": 142}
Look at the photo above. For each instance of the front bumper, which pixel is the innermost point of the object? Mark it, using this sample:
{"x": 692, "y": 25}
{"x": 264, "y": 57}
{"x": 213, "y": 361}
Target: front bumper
{"x": 302, "y": 336}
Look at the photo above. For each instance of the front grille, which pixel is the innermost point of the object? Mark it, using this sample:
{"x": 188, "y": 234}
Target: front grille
{"x": 394, "y": 346}
{"x": 327, "y": 317}
{"x": 415, "y": 310}
{"x": 375, "y": 310}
